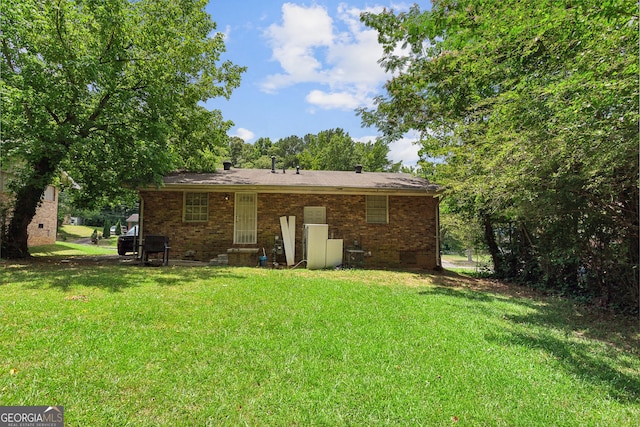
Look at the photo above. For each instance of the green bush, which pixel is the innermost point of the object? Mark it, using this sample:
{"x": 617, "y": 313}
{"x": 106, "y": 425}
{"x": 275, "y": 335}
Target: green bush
{"x": 106, "y": 230}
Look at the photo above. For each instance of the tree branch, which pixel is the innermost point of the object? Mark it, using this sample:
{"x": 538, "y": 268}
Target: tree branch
{"x": 7, "y": 55}
{"x": 58, "y": 23}
{"x": 84, "y": 132}
{"x": 52, "y": 114}
{"x": 108, "y": 48}
{"x": 100, "y": 107}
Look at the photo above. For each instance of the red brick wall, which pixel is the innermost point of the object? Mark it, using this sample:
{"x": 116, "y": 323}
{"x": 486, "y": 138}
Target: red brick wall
{"x": 408, "y": 240}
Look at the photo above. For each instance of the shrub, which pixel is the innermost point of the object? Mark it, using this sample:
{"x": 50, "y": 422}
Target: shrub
{"x": 106, "y": 230}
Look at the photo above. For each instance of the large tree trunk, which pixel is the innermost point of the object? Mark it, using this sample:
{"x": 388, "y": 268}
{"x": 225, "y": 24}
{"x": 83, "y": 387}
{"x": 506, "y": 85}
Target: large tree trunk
{"x": 27, "y": 199}
{"x": 490, "y": 239}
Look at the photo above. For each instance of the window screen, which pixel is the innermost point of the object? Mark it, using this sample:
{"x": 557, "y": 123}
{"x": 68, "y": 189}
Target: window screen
{"x": 377, "y": 209}
{"x": 196, "y": 207}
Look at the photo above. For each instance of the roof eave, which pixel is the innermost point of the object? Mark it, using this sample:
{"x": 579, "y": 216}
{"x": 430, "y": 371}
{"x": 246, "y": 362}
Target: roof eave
{"x": 297, "y": 189}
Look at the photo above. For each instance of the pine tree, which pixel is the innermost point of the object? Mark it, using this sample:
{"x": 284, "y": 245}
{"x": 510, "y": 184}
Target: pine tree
{"x": 106, "y": 230}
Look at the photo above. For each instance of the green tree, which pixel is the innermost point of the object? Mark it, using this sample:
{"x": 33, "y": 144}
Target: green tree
{"x": 287, "y": 151}
{"x": 198, "y": 139}
{"x": 236, "y": 148}
{"x": 262, "y": 147}
{"x": 118, "y": 230}
{"x": 334, "y": 149}
{"x": 107, "y": 91}
{"x": 531, "y": 109}
{"x": 331, "y": 149}
{"x": 106, "y": 229}
{"x": 373, "y": 156}
{"x": 459, "y": 234}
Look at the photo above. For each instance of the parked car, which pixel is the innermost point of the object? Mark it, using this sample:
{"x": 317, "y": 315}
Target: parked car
{"x": 112, "y": 230}
{"x": 128, "y": 242}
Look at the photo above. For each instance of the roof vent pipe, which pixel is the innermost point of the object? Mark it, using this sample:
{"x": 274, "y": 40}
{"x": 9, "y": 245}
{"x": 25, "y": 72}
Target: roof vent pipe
{"x": 273, "y": 164}
{"x": 358, "y": 168}
{"x": 227, "y": 165}
{"x": 297, "y": 170}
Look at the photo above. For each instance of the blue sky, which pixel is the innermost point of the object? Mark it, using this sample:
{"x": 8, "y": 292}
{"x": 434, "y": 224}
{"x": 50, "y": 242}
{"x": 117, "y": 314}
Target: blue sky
{"x": 310, "y": 65}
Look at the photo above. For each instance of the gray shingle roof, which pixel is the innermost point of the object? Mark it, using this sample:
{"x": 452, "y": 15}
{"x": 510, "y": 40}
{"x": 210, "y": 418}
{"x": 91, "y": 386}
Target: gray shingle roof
{"x": 306, "y": 180}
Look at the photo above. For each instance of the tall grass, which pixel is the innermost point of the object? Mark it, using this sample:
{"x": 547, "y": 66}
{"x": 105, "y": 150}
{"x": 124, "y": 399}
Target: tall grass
{"x": 186, "y": 346}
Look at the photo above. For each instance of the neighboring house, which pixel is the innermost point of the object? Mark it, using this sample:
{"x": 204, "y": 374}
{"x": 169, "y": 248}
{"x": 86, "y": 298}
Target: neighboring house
{"x": 132, "y": 220}
{"x": 389, "y": 220}
{"x": 42, "y": 229}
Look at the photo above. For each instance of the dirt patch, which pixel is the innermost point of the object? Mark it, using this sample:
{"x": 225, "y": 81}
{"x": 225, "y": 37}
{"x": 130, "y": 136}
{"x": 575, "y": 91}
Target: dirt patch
{"x": 455, "y": 280}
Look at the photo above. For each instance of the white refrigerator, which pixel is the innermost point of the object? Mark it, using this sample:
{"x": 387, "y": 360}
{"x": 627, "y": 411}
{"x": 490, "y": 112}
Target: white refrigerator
{"x": 315, "y": 245}
{"x": 318, "y": 249}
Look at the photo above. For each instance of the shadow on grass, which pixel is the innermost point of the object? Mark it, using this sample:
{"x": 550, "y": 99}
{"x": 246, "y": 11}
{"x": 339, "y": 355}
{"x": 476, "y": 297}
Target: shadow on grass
{"x": 559, "y": 313}
{"x": 64, "y": 279}
{"x": 590, "y": 363}
{"x": 452, "y": 292}
{"x": 102, "y": 273}
{"x": 53, "y": 250}
{"x": 597, "y": 347}
{"x": 177, "y": 276}
{"x": 479, "y": 282}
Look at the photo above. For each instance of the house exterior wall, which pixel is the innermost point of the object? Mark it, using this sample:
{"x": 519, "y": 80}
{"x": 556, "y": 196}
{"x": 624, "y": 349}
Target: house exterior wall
{"x": 407, "y": 241}
{"x": 42, "y": 229}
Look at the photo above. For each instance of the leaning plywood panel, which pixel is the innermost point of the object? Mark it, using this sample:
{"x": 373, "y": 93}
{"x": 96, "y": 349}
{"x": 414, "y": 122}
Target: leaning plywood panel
{"x": 292, "y": 238}
{"x": 289, "y": 246}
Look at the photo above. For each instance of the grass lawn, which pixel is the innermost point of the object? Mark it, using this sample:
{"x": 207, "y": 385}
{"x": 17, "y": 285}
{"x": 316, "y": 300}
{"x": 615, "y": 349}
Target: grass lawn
{"x": 72, "y": 232}
{"x": 69, "y": 233}
{"x": 71, "y": 249}
{"x": 481, "y": 264}
{"x": 183, "y": 346}
{"x": 462, "y": 259}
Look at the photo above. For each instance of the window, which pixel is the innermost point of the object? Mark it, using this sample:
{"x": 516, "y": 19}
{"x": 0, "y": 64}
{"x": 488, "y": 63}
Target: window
{"x": 246, "y": 219}
{"x": 196, "y": 207}
{"x": 377, "y": 210}
{"x": 50, "y": 194}
{"x": 315, "y": 215}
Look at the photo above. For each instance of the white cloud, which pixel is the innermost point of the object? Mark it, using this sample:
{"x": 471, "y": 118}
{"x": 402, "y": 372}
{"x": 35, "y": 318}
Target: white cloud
{"x": 405, "y": 149}
{"x": 366, "y": 139}
{"x": 293, "y": 44}
{"x": 337, "y": 53}
{"x": 334, "y": 100}
{"x": 227, "y": 33}
{"x": 245, "y": 134}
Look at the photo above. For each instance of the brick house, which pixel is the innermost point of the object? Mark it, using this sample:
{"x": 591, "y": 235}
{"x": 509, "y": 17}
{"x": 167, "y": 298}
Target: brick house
{"x": 389, "y": 220}
{"x": 43, "y": 227}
